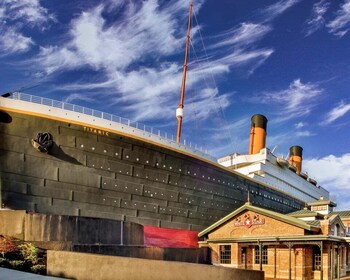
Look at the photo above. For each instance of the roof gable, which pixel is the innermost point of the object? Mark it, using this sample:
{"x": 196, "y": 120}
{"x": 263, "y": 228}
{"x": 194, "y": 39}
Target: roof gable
{"x": 274, "y": 215}
{"x": 335, "y": 219}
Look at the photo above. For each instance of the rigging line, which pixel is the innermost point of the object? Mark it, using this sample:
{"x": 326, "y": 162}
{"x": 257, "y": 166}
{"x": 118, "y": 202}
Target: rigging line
{"x": 228, "y": 132}
{"x": 37, "y": 82}
{"x": 202, "y": 76}
{"x": 205, "y": 81}
{"x": 29, "y": 86}
{"x": 196, "y": 119}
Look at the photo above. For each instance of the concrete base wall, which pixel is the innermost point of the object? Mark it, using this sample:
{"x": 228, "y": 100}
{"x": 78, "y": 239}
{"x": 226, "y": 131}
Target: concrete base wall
{"x": 78, "y": 230}
{"x": 191, "y": 255}
{"x": 94, "y": 267}
{"x": 12, "y": 223}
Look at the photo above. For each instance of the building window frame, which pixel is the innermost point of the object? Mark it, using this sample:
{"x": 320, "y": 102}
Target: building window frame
{"x": 316, "y": 258}
{"x": 225, "y": 254}
{"x": 264, "y": 255}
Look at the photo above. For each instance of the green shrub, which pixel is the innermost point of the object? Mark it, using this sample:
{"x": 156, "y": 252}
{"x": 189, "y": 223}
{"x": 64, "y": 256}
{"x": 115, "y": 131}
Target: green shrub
{"x": 29, "y": 252}
{"x": 17, "y": 264}
{"x": 4, "y": 262}
{"x": 38, "y": 268}
{"x": 25, "y": 256}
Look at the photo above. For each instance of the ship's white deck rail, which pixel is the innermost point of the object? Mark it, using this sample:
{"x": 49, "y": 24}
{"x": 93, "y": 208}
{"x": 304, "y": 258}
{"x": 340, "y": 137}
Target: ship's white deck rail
{"x": 152, "y": 133}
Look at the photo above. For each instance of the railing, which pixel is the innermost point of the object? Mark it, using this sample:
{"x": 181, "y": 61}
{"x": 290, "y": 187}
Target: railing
{"x": 102, "y": 115}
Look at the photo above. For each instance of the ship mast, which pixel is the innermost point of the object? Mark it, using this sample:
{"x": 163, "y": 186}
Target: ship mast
{"x": 179, "y": 110}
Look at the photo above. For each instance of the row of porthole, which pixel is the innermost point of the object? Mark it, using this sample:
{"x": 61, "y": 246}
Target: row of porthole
{"x": 191, "y": 201}
{"x": 136, "y": 204}
{"x": 104, "y": 199}
{"x": 117, "y": 186}
{"x": 148, "y": 192}
{"x": 108, "y": 168}
{"x": 104, "y": 151}
{"x": 212, "y": 204}
{"x": 210, "y": 216}
{"x": 157, "y": 164}
{"x": 155, "y": 193}
{"x": 147, "y": 177}
{"x": 170, "y": 210}
{"x": 205, "y": 190}
{"x": 203, "y": 176}
{"x": 127, "y": 172}
{"x": 164, "y": 166}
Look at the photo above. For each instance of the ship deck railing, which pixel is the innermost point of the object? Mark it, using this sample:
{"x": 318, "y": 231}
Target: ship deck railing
{"x": 202, "y": 151}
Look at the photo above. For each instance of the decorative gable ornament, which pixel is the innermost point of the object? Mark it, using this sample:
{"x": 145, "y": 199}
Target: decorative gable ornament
{"x": 246, "y": 220}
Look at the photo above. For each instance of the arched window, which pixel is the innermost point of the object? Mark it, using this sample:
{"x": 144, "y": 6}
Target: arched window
{"x": 337, "y": 230}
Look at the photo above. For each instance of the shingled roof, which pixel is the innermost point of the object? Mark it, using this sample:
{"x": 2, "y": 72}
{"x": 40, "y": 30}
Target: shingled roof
{"x": 305, "y": 213}
{"x": 342, "y": 214}
{"x": 314, "y": 223}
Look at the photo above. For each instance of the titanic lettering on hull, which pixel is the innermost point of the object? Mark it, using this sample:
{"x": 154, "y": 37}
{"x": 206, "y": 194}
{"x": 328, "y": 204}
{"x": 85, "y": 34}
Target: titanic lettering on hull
{"x": 96, "y": 131}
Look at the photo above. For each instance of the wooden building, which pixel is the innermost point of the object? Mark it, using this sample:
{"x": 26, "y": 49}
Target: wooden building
{"x": 307, "y": 244}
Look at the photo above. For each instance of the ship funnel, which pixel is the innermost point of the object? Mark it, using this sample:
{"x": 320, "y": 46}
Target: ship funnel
{"x": 257, "y": 134}
{"x": 296, "y": 157}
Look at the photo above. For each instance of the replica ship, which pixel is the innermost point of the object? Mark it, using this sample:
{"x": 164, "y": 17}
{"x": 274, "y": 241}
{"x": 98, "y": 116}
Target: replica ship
{"x": 63, "y": 159}
{"x": 59, "y": 158}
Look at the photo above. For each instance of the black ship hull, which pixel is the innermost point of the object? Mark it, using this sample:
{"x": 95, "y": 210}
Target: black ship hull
{"x": 97, "y": 173}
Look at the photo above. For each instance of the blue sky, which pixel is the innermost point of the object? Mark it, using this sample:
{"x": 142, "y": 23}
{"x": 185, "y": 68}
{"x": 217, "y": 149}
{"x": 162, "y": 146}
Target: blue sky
{"x": 288, "y": 60}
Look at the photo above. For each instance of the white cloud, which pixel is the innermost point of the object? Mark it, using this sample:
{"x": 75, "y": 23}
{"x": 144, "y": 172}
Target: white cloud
{"x": 135, "y": 39}
{"x": 299, "y": 125}
{"x": 78, "y": 96}
{"x": 136, "y": 36}
{"x": 331, "y": 172}
{"x": 241, "y": 57}
{"x": 14, "y": 42}
{"x": 298, "y": 100}
{"x": 274, "y": 10}
{"x": 115, "y": 47}
{"x": 341, "y": 24}
{"x": 300, "y": 130}
{"x": 151, "y": 93}
{"x": 246, "y": 34}
{"x": 54, "y": 58}
{"x": 16, "y": 14}
{"x": 337, "y": 112}
{"x": 304, "y": 133}
{"x": 317, "y": 21}
{"x": 142, "y": 88}
{"x": 28, "y": 11}
{"x": 2, "y": 13}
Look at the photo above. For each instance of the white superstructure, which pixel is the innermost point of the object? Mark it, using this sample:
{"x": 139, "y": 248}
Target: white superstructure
{"x": 264, "y": 168}
{"x": 279, "y": 173}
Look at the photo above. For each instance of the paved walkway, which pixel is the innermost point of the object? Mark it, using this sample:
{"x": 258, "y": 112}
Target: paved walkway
{"x": 9, "y": 274}
{"x": 341, "y": 278}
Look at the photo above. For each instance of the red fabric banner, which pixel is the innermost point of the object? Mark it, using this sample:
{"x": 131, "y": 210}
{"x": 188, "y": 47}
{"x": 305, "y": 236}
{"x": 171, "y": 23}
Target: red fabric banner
{"x": 171, "y": 238}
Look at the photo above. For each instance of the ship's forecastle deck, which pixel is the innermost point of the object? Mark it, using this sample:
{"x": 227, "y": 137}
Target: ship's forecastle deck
{"x": 92, "y": 118}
